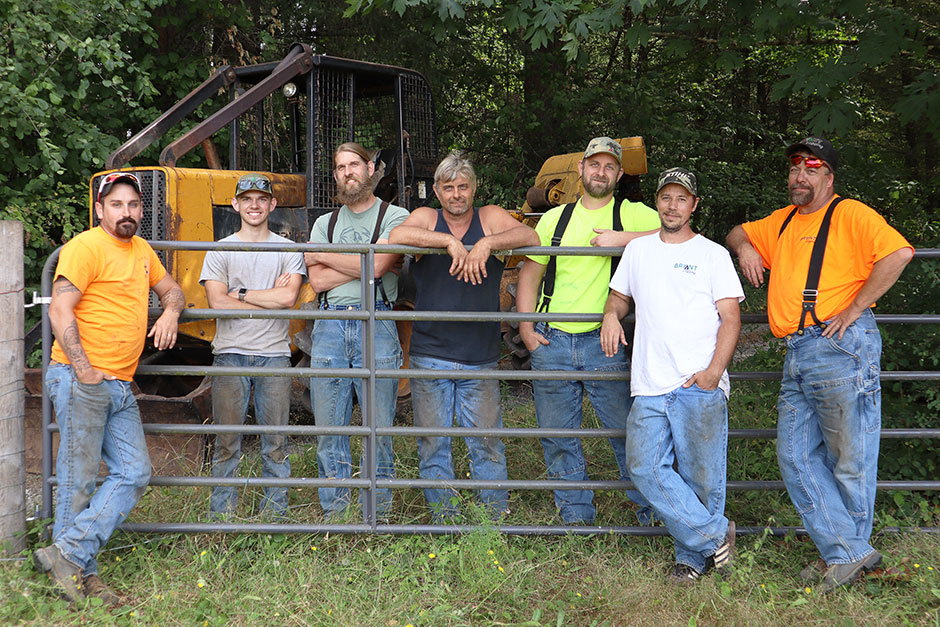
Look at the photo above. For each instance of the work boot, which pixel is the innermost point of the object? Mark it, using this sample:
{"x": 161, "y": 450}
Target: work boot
{"x": 844, "y": 574}
{"x": 683, "y": 575}
{"x": 66, "y": 576}
{"x": 93, "y": 586}
{"x": 813, "y": 571}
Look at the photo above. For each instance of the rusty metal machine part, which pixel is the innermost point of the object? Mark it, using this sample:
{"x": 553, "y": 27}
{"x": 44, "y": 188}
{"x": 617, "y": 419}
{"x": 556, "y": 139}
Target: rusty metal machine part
{"x": 289, "y": 135}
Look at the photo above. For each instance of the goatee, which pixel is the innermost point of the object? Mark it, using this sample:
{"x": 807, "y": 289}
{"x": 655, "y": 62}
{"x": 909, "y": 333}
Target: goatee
{"x": 126, "y": 228}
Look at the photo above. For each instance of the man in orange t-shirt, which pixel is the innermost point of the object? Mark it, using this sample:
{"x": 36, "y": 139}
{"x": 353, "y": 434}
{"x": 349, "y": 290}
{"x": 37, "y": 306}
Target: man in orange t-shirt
{"x": 98, "y": 312}
{"x": 829, "y": 410}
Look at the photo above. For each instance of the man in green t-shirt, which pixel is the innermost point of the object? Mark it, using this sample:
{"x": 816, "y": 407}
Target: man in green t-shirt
{"x": 581, "y": 286}
{"x": 338, "y": 343}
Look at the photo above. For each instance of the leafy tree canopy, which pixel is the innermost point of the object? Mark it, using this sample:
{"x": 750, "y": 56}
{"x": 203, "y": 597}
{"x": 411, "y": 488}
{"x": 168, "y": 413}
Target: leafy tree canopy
{"x": 824, "y": 47}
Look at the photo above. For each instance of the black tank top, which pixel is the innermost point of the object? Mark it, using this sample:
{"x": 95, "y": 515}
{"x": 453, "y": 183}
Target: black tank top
{"x": 470, "y": 343}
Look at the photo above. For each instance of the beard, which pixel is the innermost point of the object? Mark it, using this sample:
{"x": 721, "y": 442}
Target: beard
{"x": 675, "y": 227}
{"x": 126, "y": 228}
{"x": 598, "y": 189}
{"x": 801, "y": 196}
{"x": 353, "y": 194}
{"x": 457, "y": 208}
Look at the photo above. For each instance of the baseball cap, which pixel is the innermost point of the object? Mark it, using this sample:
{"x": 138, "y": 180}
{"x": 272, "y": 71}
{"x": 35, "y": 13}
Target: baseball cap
{"x": 104, "y": 188}
{"x": 249, "y": 182}
{"x": 604, "y": 145}
{"x": 679, "y": 176}
{"x": 820, "y": 147}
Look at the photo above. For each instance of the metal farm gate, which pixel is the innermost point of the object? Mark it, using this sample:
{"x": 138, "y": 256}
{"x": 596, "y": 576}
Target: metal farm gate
{"x": 367, "y": 480}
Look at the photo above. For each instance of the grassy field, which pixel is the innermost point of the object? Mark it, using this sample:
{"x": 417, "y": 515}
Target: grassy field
{"x": 486, "y": 578}
{"x": 479, "y": 579}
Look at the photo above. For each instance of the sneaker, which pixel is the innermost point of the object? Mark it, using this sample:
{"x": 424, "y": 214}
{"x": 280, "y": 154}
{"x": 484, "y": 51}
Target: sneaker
{"x": 93, "y": 586}
{"x": 844, "y": 574}
{"x": 683, "y": 575}
{"x": 724, "y": 556}
{"x": 813, "y": 571}
{"x": 66, "y": 576}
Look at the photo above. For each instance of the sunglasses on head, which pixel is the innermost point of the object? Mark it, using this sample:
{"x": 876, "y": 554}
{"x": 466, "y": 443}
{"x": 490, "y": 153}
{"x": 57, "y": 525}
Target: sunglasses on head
{"x": 254, "y": 182}
{"x": 114, "y": 177}
{"x": 809, "y": 162}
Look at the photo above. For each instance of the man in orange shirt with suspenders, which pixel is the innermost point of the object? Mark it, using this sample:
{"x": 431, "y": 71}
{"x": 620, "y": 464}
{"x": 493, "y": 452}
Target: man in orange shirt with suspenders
{"x": 830, "y": 259}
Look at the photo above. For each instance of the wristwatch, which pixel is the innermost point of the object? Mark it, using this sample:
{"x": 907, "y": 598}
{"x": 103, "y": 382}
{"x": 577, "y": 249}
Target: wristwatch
{"x": 241, "y": 293}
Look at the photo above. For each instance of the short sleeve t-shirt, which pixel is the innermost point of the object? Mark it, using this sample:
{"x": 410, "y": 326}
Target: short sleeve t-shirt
{"x": 581, "y": 282}
{"x": 114, "y": 278}
{"x": 858, "y": 237}
{"x": 253, "y": 270}
{"x": 674, "y": 288}
{"x": 357, "y": 228}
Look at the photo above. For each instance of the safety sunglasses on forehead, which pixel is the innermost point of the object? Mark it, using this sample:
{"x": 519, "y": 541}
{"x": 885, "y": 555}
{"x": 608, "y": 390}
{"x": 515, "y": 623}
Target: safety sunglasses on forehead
{"x": 254, "y": 182}
{"x": 114, "y": 177}
{"x": 809, "y": 162}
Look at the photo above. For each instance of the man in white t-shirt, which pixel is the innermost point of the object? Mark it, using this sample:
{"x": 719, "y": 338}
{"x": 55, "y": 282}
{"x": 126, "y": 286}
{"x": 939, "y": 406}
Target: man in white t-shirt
{"x": 686, "y": 292}
{"x": 251, "y": 280}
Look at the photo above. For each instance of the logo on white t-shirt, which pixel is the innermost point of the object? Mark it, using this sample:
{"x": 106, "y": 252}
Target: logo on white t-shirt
{"x": 688, "y": 268}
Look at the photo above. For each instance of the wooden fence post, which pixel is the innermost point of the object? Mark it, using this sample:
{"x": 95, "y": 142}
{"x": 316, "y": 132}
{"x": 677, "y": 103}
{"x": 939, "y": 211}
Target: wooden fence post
{"x": 12, "y": 392}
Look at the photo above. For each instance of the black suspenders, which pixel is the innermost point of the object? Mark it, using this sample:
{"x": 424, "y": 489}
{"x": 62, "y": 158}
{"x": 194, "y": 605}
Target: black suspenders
{"x": 548, "y": 279}
{"x": 811, "y": 291}
{"x": 379, "y": 284}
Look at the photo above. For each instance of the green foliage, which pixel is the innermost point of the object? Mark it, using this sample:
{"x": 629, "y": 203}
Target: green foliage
{"x": 476, "y": 579}
{"x": 825, "y": 53}
{"x": 47, "y": 224}
{"x": 66, "y": 90}
{"x": 67, "y": 93}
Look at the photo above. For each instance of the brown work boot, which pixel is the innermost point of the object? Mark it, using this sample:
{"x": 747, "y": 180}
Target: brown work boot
{"x": 839, "y": 575}
{"x": 814, "y": 571}
{"x": 93, "y": 586}
{"x": 66, "y": 576}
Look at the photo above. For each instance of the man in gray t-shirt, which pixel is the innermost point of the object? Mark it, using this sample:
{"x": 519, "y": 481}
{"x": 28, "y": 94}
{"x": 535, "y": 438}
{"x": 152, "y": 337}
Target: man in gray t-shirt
{"x": 251, "y": 280}
{"x": 363, "y": 218}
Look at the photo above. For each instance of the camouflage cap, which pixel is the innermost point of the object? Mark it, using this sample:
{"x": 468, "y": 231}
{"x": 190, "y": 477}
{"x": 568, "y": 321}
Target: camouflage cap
{"x": 605, "y": 145}
{"x": 679, "y": 176}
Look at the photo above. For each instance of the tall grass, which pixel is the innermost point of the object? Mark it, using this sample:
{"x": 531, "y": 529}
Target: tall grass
{"x": 485, "y": 578}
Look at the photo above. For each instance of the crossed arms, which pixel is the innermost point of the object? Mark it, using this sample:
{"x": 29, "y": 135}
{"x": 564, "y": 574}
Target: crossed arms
{"x": 282, "y": 295}
{"x": 328, "y": 270}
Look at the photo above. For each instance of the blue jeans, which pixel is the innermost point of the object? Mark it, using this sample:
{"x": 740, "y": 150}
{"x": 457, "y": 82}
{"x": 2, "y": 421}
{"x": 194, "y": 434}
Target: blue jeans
{"x": 230, "y": 397}
{"x": 688, "y": 426}
{"x": 558, "y": 406}
{"x": 828, "y": 434}
{"x": 338, "y": 344}
{"x": 474, "y": 403}
{"x": 96, "y": 422}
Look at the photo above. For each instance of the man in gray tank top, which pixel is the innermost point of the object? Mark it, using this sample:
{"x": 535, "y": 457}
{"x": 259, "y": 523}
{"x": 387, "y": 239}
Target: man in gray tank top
{"x": 251, "y": 280}
{"x": 465, "y": 281}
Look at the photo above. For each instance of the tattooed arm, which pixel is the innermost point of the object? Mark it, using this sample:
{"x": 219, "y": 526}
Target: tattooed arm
{"x": 171, "y": 297}
{"x": 65, "y": 297}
